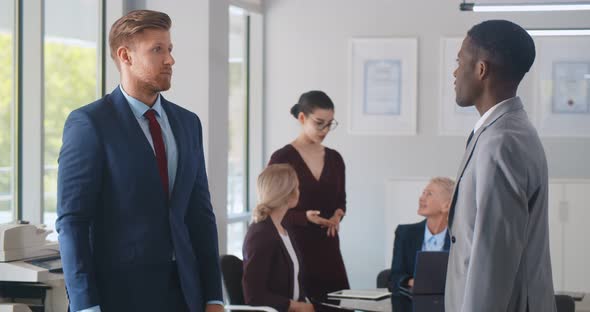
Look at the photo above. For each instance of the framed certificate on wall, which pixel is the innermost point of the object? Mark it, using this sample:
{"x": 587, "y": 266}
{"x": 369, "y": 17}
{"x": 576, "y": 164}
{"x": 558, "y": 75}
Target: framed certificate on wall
{"x": 383, "y": 86}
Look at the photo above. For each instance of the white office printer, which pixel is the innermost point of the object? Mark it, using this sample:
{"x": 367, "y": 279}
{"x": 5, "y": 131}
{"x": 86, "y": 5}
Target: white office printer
{"x": 21, "y": 241}
{"x": 30, "y": 268}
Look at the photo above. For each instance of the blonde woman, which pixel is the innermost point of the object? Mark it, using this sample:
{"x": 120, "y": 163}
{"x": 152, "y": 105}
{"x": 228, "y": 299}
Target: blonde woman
{"x": 271, "y": 263}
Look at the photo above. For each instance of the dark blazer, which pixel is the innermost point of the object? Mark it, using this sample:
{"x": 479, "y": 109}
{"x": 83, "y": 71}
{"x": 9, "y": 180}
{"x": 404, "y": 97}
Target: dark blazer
{"x": 117, "y": 229}
{"x": 268, "y": 269}
{"x": 408, "y": 241}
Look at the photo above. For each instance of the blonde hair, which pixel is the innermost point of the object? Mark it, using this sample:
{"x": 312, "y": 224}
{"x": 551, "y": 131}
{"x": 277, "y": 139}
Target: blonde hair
{"x": 447, "y": 185}
{"x": 276, "y": 184}
{"x": 134, "y": 22}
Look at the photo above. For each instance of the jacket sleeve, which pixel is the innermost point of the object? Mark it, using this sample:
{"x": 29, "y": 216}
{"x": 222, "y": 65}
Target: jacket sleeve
{"x": 398, "y": 276}
{"x": 499, "y": 233}
{"x": 203, "y": 229}
{"x": 79, "y": 179}
{"x": 258, "y": 263}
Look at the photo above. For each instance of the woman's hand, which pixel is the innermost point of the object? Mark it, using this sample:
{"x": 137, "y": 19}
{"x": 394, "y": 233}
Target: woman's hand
{"x": 296, "y": 306}
{"x": 313, "y": 216}
{"x": 335, "y": 219}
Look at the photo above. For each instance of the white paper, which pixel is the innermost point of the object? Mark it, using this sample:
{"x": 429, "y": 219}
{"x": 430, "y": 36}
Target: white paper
{"x": 571, "y": 88}
{"x": 382, "y": 87}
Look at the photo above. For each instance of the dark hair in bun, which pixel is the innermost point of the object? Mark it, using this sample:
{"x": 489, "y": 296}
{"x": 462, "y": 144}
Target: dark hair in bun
{"x": 311, "y": 100}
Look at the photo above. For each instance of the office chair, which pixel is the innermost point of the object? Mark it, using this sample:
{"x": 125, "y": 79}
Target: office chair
{"x": 232, "y": 271}
{"x": 565, "y": 303}
{"x": 383, "y": 279}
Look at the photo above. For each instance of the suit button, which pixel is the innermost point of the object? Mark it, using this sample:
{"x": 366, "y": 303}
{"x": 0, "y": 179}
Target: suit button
{"x": 453, "y": 239}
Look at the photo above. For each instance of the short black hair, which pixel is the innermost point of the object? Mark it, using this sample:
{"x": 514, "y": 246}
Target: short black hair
{"x": 311, "y": 100}
{"x": 506, "y": 45}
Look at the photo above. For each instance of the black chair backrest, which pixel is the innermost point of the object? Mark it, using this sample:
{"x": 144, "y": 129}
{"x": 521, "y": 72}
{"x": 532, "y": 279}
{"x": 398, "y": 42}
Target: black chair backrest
{"x": 232, "y": 270}
{"x": 565, "y": 303}
{"x": 383, "y": 279}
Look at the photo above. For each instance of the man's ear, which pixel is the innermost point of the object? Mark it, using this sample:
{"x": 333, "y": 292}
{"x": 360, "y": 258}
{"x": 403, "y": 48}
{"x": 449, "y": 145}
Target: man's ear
{"x": 124, "y": 55}
{"x": 483, "y": 69}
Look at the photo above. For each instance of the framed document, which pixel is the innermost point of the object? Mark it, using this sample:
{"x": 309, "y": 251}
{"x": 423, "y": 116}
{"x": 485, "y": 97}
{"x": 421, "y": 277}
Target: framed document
{"x": 571, "y": 87}
{"x": 383, "y": 84}
{"x": 382, "y": 87}
{"x": 562, "y": 86}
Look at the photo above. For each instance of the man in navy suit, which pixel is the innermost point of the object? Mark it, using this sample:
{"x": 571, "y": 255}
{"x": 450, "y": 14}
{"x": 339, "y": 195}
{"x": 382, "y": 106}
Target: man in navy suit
{"x": 136, "y": 227}
{"x": 428, "y": 235}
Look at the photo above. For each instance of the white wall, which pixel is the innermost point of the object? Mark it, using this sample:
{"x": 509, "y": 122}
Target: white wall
{"x": 306, "y": 47}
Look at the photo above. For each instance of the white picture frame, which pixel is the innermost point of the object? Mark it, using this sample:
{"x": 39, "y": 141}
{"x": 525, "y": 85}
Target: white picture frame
{"x": 383, "y": 86}
{"x": 562, "y": 75}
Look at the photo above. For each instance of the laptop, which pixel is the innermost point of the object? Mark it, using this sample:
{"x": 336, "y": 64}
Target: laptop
{"x": 430, "y": 274}
{"x": 370, "y": 294}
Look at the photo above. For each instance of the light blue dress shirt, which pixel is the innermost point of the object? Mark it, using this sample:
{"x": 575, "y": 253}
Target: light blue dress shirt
{"x": 138, "y": 108}
{"x": 433, "y": 242}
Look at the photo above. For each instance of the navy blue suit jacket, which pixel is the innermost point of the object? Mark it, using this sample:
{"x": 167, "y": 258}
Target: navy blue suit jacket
{"x": 117, "y": 229}
{"x": 408, "y": 241}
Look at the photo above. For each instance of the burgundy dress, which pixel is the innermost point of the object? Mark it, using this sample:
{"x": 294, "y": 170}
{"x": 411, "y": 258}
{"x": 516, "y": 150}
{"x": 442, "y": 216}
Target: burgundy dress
{"x": 322, "y": 266}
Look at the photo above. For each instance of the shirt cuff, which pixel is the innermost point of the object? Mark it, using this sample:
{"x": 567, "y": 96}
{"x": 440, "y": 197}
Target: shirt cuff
{"x": 211, "y": 302}
{"x": 91, "y": 309}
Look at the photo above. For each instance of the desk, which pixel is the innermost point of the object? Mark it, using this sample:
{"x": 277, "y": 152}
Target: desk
{"x": 403, "y": 304}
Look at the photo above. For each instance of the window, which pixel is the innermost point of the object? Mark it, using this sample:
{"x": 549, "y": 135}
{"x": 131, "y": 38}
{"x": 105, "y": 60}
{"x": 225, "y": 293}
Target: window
{"x": 245, "y": 158}
{"x": 71, "y": 79}
{"x": 237, "y": 180}
{"x": 7, "y": 112}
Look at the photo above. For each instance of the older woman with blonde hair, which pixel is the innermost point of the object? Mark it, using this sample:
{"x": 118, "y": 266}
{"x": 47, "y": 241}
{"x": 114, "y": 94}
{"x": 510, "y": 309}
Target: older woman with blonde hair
{"x": 428, "y": 235}
{"x": 271, "y": 262}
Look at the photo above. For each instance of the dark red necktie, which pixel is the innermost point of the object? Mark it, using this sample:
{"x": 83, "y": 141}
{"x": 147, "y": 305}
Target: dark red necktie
{"x": 156, "y": 133}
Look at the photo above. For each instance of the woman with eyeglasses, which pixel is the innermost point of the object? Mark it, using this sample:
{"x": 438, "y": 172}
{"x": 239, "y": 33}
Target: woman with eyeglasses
{"x": 315, "y": 221}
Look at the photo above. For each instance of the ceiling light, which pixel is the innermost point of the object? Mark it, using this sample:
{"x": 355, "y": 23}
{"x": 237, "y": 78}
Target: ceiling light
{"x": 558, "y": 32}
{"x": 522, "y": 7}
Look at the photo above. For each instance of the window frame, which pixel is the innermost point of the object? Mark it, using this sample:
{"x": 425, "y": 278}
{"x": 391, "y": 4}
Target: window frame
{"x": 100, "y": 90}
{"x": 29, "y": 158}
{"x": 15, "y": 167}
{"x": 254, "y": 115}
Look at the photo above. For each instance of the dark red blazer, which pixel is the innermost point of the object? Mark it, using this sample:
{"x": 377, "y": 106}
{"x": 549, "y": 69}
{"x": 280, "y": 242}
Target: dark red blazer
{"x": 268, "y": 269}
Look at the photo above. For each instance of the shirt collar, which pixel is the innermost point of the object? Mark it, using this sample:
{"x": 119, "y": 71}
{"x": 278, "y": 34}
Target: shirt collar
{"x": 428, "y": 235}
{"x": 487, "y": 114}
{"x": 139, "y": 108}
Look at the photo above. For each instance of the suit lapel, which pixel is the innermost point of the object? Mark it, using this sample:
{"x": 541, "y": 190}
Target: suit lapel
{"x": 176, "y": 127}
{"x": 419, "y": 234}
{"x": 512, "y": 105}
{"x": 129, "y": 122}
{"x": 447, "y": 244}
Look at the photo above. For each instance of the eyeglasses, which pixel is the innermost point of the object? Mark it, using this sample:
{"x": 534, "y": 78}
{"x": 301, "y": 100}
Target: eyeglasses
{"x": 322, "y": 125}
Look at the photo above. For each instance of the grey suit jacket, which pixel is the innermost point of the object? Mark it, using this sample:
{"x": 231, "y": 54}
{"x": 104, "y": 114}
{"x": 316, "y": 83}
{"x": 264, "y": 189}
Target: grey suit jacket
{"x": 499, "y": 258}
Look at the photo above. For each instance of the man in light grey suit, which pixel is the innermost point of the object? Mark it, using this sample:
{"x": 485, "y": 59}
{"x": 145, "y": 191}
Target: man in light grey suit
{"x": 499, "y": 258}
